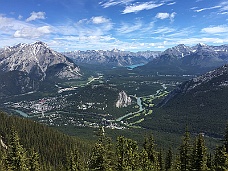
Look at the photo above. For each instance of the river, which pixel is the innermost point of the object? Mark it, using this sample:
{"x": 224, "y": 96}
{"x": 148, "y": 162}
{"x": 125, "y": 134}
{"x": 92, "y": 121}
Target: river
{"x": 139, "y": 103}
{"x": 21, "y": 113}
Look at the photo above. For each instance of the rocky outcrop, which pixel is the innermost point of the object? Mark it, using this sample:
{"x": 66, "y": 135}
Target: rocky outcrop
{"x": 2, "y": 143}
{"x": 123, "y": 100}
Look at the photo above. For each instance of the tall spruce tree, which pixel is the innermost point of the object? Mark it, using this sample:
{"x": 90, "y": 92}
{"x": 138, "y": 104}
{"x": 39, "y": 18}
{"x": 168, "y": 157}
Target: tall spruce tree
{"x": 209, "y": 161}
{"x": 144, "y": 162}
{"x": 199, "y": 155}
{"x": 16, "y": 156}
{"x": 168, "y": 160}
{"x": 185, "y": 151}
{"x": 149, "y": 146}
{"x": 161, "y": 160}
{"x": 221, "y": 159}
{"x": 33, "y": 161}
{"x": 74, "y": 162}
{"x": 101, "y": 157}
{"x": 226, "y": 138}
{"x": 127, "y": 154}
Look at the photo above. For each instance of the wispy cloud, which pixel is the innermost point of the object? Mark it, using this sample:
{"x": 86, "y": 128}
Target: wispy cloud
{"x": 182, "y": 33}
{"x": 206, "y": 40}
{"x": 164, "y": 30}
{"x": 209, "y": 8}
{"x": 35, "y": 16}
{"x": 127, "y": 28}
{"x": 109, "y": 3}
{"x": 215, "y": 29}
{"x": 98, "y": 25}
{"x": 171, "y": 3}
{"x": 139, "y": 7}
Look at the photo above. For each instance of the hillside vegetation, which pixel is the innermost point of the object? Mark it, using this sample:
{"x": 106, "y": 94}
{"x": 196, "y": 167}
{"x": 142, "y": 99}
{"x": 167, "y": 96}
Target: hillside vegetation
{"x": 26, "y": 145}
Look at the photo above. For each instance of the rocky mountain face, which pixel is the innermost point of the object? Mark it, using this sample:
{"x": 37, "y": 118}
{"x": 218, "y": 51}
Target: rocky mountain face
{"x": 123, "y": 100}
{"x": 114, "y": 57}
{"x": 35, "y": 59}
{"x": 26, "y": 65}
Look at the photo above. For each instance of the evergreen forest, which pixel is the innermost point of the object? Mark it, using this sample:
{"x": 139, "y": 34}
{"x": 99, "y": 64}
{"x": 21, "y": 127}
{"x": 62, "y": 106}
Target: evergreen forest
{"x": 27, "y": 145}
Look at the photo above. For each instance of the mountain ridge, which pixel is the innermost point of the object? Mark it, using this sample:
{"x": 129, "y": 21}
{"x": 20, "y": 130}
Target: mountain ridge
{"x": 200, "y": 103}
{"x": 26, "y": 66}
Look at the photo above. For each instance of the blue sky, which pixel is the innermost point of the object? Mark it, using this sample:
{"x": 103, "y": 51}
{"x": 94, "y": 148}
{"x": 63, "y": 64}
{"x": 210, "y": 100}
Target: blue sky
{"x": 67, "y": 25}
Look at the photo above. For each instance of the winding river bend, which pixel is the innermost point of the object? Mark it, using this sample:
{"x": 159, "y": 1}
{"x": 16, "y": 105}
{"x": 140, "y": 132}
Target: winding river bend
{"x": 139, "y": 103}
{"x": 21, "y": 113}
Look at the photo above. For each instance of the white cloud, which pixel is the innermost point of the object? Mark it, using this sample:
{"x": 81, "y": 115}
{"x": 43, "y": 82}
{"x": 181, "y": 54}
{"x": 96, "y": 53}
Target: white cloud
{"x": 172, "y": 3}
{"x": 172, "y": 16}
{"x": 163, "y": 16}
{"x": 99, "y": 20}
{"x": 140, "y": 7}
{"x": 224, "y": 6}
{"x": 203, "y": 9}
{"x": 32, "y": 32}
{"x": 9, "y": 25}
{"x": 215, "y": 30}
{"x": 17, "y": 28}
{"x": 35, "y": 16}
{"x": 115, "y": 2}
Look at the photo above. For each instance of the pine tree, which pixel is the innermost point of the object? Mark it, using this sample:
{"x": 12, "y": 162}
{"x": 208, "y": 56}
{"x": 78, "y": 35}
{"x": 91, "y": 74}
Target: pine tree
{"x": 127, "y": 155}
{"x": 33, "y": 161}
{"x": 74, "y": 162}
{"x": 101, "y": 157}
{"x": 144, "y": 162}
{"x": 16, "y": 157}
{"x": 168, "y": 160}
{"x": 149, "y": 146}
{"x": 160, "y": 161}
{"x": 209, "y": 161}
{"x": 221, "y": 159}
{"x": 226, "y": 138}
{"x": 199, "y": 155}
{"x": 185, "y": 153}
{"x": 176, "y": 166}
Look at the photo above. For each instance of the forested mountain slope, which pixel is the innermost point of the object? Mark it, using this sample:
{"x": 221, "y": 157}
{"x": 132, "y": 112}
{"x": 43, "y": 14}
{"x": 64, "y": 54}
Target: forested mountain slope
{"x": 200, "y": 103}
{"x": 51, "y": 145}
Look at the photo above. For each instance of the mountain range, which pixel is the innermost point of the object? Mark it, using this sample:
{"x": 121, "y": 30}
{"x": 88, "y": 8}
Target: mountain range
{"x": 189, "y": 60}
{"x": 200, "y": 55}
{"x": 25, "y": 66}
{"x": 113, "y": 57}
